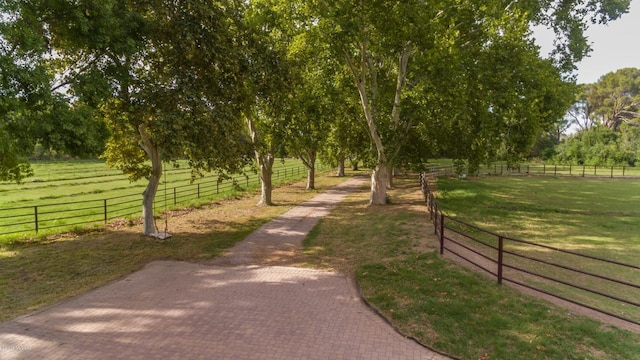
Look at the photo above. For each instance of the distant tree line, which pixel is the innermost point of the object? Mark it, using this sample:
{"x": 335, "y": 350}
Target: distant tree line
{"x": 606, "y": 120}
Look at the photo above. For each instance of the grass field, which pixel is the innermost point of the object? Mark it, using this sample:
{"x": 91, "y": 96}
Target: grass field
{"x": 389, "y": 248}
{"x": 392, "y": 251}
{"x": 68, "y": 194}
{"x": 596, "y": 217}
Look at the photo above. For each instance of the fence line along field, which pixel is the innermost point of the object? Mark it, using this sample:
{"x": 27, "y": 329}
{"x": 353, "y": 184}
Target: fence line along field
{"x": 594, "y": 217}
{"x": 64, "y": 195}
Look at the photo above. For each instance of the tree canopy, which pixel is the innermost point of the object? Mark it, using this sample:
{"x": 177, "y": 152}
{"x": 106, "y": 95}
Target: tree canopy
{"x": 183, "y": 79}
{"x": 615, "y": 98}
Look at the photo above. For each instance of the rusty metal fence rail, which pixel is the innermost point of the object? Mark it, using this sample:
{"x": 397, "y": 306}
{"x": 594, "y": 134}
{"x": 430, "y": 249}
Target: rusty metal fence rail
{"x": 607, "y": 286}
{"x": 29, "y": 220}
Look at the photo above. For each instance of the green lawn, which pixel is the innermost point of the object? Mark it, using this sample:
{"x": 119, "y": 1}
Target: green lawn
{"x": 37, "y": 274}
{"x": 596, "y": 217}
{"x": 72, "y": 192}
{"x": 392, "y": 251}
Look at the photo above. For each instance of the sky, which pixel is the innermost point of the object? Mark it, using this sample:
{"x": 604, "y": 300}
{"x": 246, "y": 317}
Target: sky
{"x": 615, "y": 46}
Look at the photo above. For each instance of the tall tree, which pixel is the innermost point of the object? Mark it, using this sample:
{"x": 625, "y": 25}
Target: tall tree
{"x": 580, "y": 113}
{"x": 166, "y": 75}
{"x": 181, "y": 95}
{"x": 615, "y": 98}
{"x": 270, "y": 86}
{"x": 392, "y": 48}
{"x": 308, "y": 123}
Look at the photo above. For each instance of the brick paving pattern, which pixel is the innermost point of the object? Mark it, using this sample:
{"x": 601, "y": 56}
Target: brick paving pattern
{"x": 178, "y": 310}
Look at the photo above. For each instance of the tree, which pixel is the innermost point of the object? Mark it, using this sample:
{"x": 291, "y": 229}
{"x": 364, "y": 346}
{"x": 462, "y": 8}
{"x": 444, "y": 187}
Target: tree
{"x": 37, "y": 104}
{"x": 347, "y": 137}
{"x": 167, "y": 76}
{"x": 392, "y": 48}
{"x": 599, "y": 145}
{"x": 615, "y": 98}
{"x": 181, "y": 94}
{"x": 269, "y": 84}
{"x": 581, "y": 112}
{"x": 311, "y": 114}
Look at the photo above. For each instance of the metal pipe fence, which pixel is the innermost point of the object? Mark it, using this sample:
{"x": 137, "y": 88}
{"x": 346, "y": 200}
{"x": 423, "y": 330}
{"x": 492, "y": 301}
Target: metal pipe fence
{"x": 606, "y": 286}
{"x": 66, "y": 215}
{"x": 556, "y": 170}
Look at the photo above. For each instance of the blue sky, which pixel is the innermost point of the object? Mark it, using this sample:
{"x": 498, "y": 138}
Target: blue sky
{"x": 615, "y": 46}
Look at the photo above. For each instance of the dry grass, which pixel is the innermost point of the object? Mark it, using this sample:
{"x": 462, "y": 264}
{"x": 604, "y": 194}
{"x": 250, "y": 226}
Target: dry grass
{"x": 355, "y": 233}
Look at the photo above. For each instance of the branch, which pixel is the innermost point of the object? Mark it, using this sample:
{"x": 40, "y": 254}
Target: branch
{"x": 401, "y": 82}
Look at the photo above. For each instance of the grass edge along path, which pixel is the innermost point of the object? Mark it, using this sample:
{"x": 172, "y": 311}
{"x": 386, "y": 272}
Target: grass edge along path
{"x": 449, "y": 308}
{"x": 36, "y": 275}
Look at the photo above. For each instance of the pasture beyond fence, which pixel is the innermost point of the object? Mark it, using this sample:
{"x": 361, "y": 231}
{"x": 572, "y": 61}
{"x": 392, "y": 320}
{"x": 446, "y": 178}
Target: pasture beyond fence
{"x": 52, "y": 217}
{"x": 551, "y": 170}
{"x": 606, "y": 286}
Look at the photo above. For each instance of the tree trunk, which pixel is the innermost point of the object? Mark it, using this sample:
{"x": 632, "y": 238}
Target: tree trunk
{"x": 311, "y": 170}
{"x": 379, "y": 179}
{"x": 311, "y": 178}
{"x": 379, "y": 176}
{"x": 265, "y": 166}
{"x": 149, "y": 193}
{"x": 391, "y": 174}
{"x": 341, "y": 167}
{"x": 354, "y": 165}
{"x": 266, "y": 173}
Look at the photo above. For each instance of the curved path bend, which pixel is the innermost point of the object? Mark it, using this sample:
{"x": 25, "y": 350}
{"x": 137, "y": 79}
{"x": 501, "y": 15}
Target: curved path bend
{"x": 227, "y": 309}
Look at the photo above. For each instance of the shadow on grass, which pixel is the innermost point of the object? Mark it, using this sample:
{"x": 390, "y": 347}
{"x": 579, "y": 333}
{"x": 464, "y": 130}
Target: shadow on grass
{"x": 35, "y": 275}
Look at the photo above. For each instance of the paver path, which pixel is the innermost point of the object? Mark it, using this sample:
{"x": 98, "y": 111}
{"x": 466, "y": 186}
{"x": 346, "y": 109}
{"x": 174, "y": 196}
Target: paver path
{"x": 225, "y": 310}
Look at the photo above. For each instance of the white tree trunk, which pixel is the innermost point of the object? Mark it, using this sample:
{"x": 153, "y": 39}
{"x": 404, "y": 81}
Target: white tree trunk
{"x": 149, "y": 193}
{"x": 311, "y": 170}
{"x": 379, "y": 179}
{"x": 341, "y": 167}
{"x": 392, "y": 173}
{"x": 311, "y": 178}
{"x": 266, "y": 175}
{"x": 265, "y": 166}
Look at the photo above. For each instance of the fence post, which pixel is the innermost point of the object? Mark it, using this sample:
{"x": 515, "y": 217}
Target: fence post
{"x": 555, "y": 170}
{"x": 432, "y": 206}
{"x": 247, "y": 178}
{"x": 500, "y": 260}
{"x": 595, "y": 170}
{"x": 544, "y": 169}
{"x": 612, "y": 172}
{"x": 35, "y": 211}
{"x": 583, "y": 167}
{"x": 217, "y": 187}
{"x": 441, "y": 233}
{"x": 198, "y": 190}
{"x": 623, "y": 171}
{"x": 501, "y": 169}
{"x": 105, "y": 211}
{"x": 569, "y": 169}
{"x": 436, "y": 224}
{"x": 528, "y": 169}
{"x": 278, "y": 174}
{"x": 174, "y": 196}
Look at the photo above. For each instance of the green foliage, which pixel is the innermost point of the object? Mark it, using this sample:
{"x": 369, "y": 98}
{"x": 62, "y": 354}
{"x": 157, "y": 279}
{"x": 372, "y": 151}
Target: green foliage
{"x": 615, "y": 98}
{"x": 600, "y": 145}
{"x": 51, "y": 100}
